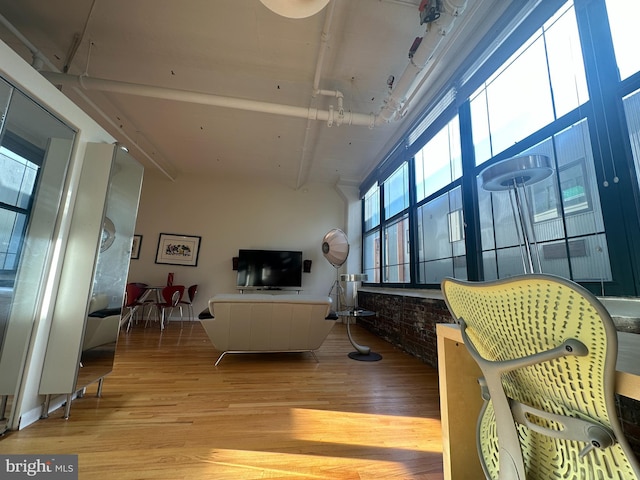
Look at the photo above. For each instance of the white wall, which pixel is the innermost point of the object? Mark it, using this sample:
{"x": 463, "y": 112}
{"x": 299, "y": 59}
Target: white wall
{"x": 230, "y": 214}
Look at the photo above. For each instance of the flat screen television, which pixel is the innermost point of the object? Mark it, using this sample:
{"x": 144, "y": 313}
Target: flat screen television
{"x": 269, "y": 269}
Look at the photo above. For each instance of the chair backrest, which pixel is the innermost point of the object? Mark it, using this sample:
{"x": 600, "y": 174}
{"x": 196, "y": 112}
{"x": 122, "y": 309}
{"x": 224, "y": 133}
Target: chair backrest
{"x": 547, "y": 349}
{"x": 192, "y": 291}
{"x": 133, "y": 292}
{"x": 172, "y": 294}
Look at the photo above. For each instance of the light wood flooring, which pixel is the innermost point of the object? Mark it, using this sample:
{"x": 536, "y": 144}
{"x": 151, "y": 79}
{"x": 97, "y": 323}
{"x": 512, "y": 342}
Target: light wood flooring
{"x": 167, "y": 413}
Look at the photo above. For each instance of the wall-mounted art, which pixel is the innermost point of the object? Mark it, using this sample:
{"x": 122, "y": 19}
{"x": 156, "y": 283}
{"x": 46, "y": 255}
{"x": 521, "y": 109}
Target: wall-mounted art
{"x": 174, "y": 249}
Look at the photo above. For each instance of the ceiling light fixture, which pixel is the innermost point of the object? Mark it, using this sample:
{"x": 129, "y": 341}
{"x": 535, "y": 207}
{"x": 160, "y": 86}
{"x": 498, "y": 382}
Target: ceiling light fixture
{"x": 295, "y": 8}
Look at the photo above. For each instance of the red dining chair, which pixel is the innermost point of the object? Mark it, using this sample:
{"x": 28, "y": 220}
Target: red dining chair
{"x": 191, "y": 293}
{"x": 171, "y": 296}
{"x": 132, "y": 296}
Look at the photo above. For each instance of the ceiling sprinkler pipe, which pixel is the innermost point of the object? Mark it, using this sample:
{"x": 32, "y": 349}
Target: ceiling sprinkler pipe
{"x": 413, "y": 73}
{"x": 89, "y": 83}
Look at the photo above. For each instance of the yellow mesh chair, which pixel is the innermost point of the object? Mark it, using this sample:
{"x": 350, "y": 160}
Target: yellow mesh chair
{"x": 547, "y": 349}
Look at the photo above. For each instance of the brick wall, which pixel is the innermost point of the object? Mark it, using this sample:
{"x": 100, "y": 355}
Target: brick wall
{"x": 409, "y": 323}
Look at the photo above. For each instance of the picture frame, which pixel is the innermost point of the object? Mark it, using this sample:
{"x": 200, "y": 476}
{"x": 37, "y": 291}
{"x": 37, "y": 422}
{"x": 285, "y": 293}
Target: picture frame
{"x": 177, "y": 249}
{"x": 135, "y": 247}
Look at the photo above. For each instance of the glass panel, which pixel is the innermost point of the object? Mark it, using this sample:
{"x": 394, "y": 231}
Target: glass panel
{"x": 439, "y": 162}
{"x": 480, "y": 123}
{"x": 623, "y": 18}
{"x": 371, "y": 256}
{"x": 632, "y": 112}
{"x": 396, "y": 251}
{"x": 441, "y": 248}
{"x": 566, "y": 65}
{"x": 396, "y": 192}
{"x": 542, "y": 81}
{"x": 34, "y": 156}
{"x": 518, "y": 99}
{"x": 372, "y": 208}
{"x": 568, "y": 199}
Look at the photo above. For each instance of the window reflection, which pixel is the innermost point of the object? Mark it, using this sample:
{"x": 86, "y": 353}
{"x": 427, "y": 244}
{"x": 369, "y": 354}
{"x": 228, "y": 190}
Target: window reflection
{"x": 16, "y": 191}
{"x": 441, "y": 248}
{"x": 396, "y": 249}
{"x": 565, "y": 214}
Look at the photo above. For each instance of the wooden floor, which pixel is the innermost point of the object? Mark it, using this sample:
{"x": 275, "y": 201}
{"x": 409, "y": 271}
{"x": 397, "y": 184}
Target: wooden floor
{"x": 167, "y": 413}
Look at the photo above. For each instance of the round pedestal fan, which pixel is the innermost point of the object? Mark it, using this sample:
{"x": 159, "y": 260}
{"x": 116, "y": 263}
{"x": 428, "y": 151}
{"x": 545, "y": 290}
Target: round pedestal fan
{"x": 335, "y": 248}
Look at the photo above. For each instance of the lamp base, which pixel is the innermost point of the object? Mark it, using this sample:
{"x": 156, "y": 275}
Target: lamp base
{"x": 368, "y": 357}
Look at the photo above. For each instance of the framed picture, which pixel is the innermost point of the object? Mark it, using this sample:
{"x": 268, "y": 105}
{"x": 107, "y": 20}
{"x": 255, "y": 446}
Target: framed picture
{"x": 135, "y": 247}
{"x": 174, "y": 249}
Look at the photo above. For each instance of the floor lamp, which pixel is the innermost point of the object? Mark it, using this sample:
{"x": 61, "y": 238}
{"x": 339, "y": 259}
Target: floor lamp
{"x": 513, "y": 175}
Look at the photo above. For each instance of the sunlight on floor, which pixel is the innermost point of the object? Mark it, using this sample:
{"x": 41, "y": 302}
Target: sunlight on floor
{"x": 361, "y": 429}
{"x": 252, "y": 464}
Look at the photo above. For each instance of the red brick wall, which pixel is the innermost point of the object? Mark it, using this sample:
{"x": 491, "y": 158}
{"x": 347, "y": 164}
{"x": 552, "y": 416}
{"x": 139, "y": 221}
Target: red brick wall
{"x": 409, "y": 323}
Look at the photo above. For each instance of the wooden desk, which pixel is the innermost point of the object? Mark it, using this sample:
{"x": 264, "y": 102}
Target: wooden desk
{"x": 460, "y": 400}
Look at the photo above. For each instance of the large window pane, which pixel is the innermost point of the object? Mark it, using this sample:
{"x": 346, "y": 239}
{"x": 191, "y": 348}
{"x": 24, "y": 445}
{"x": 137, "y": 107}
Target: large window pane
{"x": 396, "y": 251}
{"x": 396, "y": 191}
{"x": 372, "y": 208}
{"x": 623, "y": 18}
{"x": 439, "y": 162}
{"x": 542, "y": 81}
{"x": 632, "y": 113}
{"x": 562, "y": 212}
{"x": 441, "y": 248}
{"x": 566, "y": 65}
{"x": 371, "y": 256}
{"x": 17, "y": 185}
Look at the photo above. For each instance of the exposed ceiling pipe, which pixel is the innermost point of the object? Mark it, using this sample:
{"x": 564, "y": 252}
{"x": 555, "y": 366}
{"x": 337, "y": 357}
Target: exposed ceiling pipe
{"x": 324, "y": 42}
{"x": 90, "y": 83}
{"x": 414, "y": 73}
{"x": 40, "y": 60}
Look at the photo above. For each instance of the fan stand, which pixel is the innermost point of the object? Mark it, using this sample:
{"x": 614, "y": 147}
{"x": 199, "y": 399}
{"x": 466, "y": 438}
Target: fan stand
{"x": 339, "y": 291}
{"x": 335, "y": 249}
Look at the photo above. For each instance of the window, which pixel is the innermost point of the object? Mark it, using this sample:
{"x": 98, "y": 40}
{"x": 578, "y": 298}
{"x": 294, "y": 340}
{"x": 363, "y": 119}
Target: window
{"x": 372, "y": 208}
{"x": 542, "y": 81}
{"x": 441, "y": 249}
{"x": 396, "y": 195}
{"x": 371, "y": 256}
{"x": 371, "y": 238}
{"x": 632, "y": 112}
{"x": 439, "y": 162}
{"x": 435, "y": 218}
{"x": 623, "y": 18}
{"x": 17, "y": 185}
{"x": 564, "y": 222}
{"x": 396, "y": 251}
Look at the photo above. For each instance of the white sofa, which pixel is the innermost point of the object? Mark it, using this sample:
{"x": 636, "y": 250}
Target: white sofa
{"x": 102, "y": 324}
{"x": 261, "y": 323}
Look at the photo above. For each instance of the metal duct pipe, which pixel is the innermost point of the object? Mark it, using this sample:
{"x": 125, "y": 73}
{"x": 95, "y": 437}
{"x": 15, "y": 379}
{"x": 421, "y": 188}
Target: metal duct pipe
{"x": 410, "y": 78}
{"x": 89, "y": 83}
{"x": 39, "y": 60}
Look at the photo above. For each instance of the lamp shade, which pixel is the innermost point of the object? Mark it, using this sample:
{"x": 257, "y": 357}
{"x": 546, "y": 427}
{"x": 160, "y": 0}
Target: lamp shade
{"x": 335, "y": 247}
{"x": 523, "y": 170}
{"x": 295, "y": 8}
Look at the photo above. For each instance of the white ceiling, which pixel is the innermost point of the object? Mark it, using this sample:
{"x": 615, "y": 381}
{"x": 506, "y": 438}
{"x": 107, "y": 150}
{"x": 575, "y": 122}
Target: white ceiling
{"x": 238, "y": 49}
